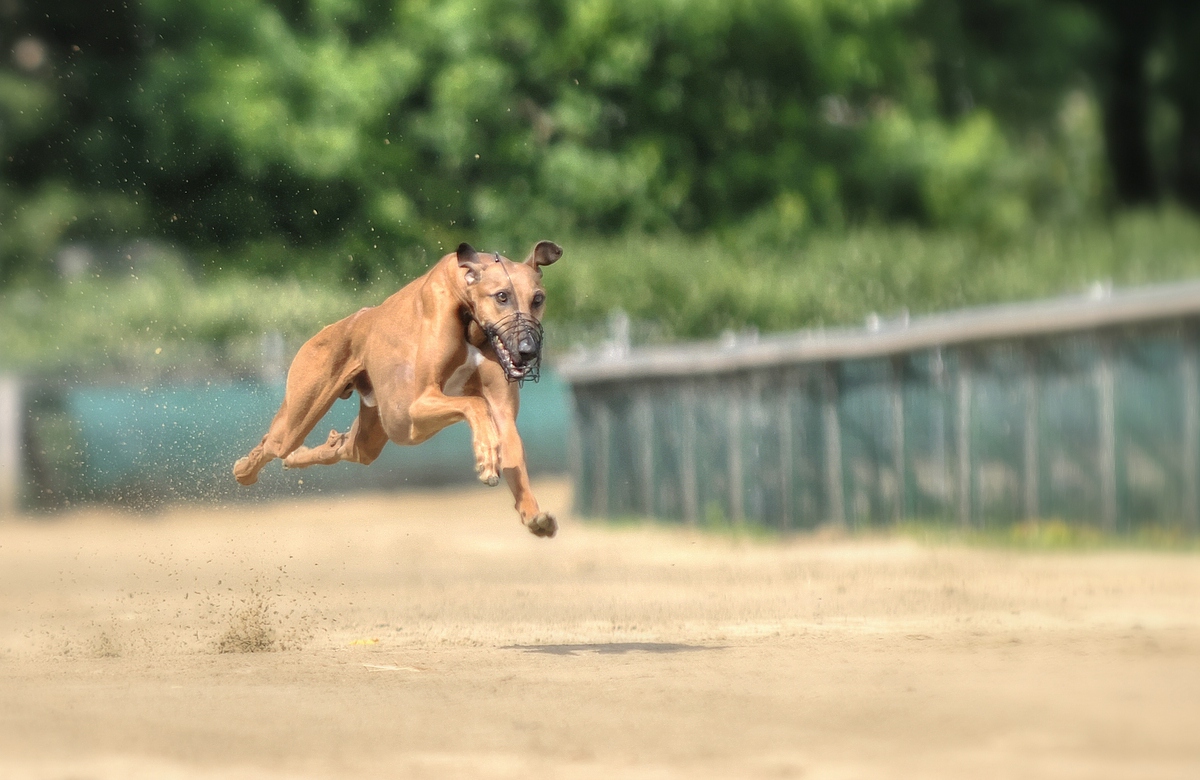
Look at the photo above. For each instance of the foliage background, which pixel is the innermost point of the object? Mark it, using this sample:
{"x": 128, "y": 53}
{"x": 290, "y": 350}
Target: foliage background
{"x": 167, "y": 165}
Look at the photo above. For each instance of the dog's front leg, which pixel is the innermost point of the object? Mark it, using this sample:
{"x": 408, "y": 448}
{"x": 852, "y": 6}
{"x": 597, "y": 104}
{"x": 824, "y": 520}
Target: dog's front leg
{"x": 512, "y": 455}
{"x": 433, "y": 410}
{"x": 504, "y": 400}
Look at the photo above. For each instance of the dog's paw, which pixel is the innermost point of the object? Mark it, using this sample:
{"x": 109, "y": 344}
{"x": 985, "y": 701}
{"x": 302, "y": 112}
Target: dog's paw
{"x": 242, "y": 473}
{"x": 543, "y": 525}
{"x": 487, "y": 464}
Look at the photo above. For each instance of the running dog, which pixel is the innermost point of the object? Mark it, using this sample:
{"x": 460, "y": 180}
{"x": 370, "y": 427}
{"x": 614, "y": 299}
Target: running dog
{"x": 454, "y": 344}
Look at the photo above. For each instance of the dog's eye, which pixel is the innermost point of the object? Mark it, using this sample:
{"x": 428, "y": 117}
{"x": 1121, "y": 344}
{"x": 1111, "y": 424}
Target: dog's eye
{"x": 502, "y": 297}
{"x": 539, "y": 299}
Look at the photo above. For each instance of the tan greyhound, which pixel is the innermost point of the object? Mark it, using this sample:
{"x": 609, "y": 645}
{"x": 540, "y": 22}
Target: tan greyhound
{"x": 452, "y": 345}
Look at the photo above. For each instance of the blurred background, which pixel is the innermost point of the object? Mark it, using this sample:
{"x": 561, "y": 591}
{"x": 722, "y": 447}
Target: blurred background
{"x": 191, "y": 188}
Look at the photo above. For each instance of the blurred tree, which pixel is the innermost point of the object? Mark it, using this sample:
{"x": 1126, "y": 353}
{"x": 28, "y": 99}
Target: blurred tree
{"x": 1132, "y": 29}
{"x": 340, "y": 137}
{"x": 64, "y": 135}
{"x": 1182, "y": 84}
{"x": 1147, "y": 73}
{"x": 1014, "y": 57}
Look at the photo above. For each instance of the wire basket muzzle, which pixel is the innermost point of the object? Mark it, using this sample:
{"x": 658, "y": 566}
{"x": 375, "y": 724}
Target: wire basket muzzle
{"x": 517, "y": 340}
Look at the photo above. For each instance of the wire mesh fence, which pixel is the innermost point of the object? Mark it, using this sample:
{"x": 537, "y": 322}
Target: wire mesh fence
{"x": 1093, "y": 418}
{"x": 142, "y": 445}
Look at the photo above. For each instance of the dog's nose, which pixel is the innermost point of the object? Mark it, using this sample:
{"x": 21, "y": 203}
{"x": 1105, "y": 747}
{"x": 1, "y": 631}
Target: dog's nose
{"x": 527, "y": 349}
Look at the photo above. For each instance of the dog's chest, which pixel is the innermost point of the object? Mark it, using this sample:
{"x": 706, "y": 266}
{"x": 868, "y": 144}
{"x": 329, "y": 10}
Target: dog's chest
{"x": 458, "y": 380}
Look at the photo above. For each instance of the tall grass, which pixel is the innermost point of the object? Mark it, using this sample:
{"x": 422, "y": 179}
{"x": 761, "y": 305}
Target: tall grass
{"x": 161, "y": 323}
{"x": 698, "y": 287}
{"x": 165, "y": 321}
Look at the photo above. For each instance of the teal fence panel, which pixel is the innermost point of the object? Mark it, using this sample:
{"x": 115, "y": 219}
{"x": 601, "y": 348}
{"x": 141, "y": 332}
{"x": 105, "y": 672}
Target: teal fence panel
{"x": 1097, "y": 427}
{"x": 145, "y": 445}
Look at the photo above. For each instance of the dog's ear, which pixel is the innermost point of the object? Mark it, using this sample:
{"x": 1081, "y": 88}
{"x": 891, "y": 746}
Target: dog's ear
{"x": 468, "y": 260}
{"x": 544, "y": 253}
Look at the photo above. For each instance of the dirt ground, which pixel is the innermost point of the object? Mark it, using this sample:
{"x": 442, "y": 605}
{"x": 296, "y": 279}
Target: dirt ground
{"x": 428, "y": 635}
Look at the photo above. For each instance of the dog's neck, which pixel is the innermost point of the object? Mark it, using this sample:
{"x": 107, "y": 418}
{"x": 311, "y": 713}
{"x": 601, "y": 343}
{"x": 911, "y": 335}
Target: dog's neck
{"x": 472, "y": 331}
{"x": 464, "y": 310}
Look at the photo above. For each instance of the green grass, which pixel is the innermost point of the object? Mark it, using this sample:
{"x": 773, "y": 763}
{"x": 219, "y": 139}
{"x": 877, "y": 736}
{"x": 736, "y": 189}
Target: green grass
{"x": 164, "y": 321}
{"x": 1045, "y": 535}
{"x": 161, "y": 323}
{"x": 1049, "y": 534}
{"x": 676, "y": 287}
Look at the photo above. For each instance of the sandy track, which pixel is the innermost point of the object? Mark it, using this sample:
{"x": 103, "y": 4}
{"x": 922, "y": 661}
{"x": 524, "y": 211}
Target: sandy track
{"x": 428, "y": 635}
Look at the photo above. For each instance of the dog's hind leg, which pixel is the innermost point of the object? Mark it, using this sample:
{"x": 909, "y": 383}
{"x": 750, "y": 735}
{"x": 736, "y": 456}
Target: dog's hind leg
{"x": 320, "y": 374}
{"x": 246, "y": 469}
{"x": 286, "y": 434}
{"x": 361, "y": 444}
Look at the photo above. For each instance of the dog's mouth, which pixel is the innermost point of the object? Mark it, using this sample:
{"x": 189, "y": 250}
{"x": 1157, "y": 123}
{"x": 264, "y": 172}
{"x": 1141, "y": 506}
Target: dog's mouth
{"x": 517, "y": 342}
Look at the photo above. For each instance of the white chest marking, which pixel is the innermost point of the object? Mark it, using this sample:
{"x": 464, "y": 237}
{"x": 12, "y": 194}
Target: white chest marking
{"x": 458, "y": 380}
{"x": 369, "y": 398}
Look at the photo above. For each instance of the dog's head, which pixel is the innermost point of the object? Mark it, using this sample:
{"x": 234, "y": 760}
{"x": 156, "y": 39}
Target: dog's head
{"x": 506, "y": 301}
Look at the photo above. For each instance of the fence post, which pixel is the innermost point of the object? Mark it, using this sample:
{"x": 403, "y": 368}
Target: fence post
{"x": 896, "y": 390}
{"x": 1107, "y": 460}
{"x": 603, "y": 434}
{"x": 10, "y": 445}
{"x": 687, "y": 457}
{"x": 575, "y": 446}
{"x": 1191, "y": 432}
{"x": 737, "y": 487}
{"x": 937, "y": 369}
{"x": 644, "y": 419}
{"x": 786, "y": 457}
{"x": 1032, "y": 507}
{"x": 962, "y": 437}
{"x": 833, "y": 446}
{"x": 274, "y": 367}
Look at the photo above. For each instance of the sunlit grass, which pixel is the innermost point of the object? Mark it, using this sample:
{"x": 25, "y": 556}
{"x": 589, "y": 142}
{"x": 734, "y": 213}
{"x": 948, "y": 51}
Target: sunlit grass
{"x": 1048, "y": 534}
{"x": 160, "y": 323}
{"x": 678, "y": 287}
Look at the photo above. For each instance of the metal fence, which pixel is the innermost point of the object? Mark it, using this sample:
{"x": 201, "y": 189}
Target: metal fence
{"x": 1084, "y": 409}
